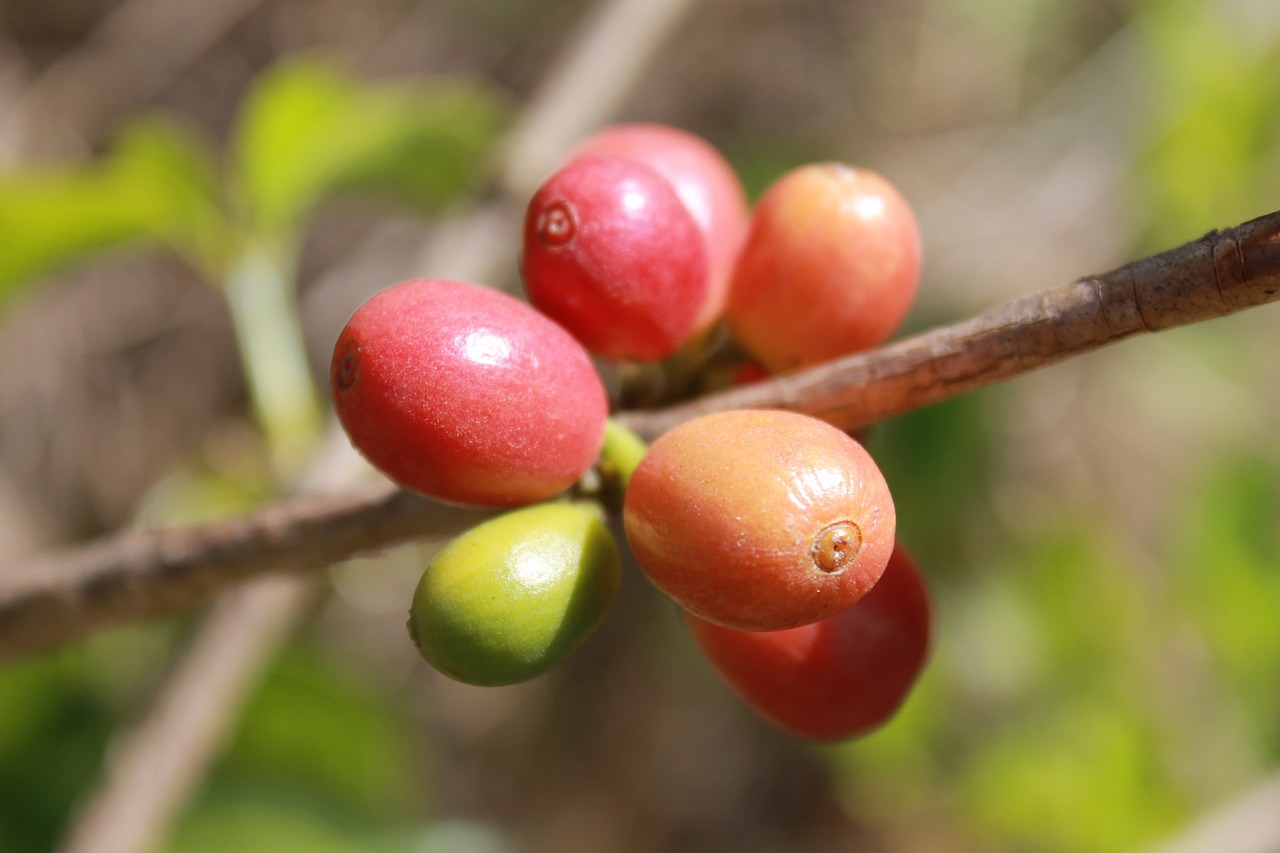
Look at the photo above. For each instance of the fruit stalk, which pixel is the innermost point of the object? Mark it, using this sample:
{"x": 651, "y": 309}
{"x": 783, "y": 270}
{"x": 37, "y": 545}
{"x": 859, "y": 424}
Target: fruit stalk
{"x": 259, "y": 290}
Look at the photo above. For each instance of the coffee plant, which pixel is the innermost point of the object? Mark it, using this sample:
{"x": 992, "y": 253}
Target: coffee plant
{"x": 684, "y": 385}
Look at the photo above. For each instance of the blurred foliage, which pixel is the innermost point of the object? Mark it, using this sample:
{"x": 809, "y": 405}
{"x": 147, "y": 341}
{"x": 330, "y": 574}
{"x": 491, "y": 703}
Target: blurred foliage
{"x": 306, "y": 131}
{"x": 1217, "y": 110}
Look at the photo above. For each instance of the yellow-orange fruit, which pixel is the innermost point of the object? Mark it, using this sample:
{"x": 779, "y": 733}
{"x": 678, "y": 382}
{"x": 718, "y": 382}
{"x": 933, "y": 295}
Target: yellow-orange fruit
{"x": 760, "y": 520}
{"x": 830, "y": 266}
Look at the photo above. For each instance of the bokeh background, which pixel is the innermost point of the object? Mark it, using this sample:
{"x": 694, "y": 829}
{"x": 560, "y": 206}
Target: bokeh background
{"x": 1102, "y": 537}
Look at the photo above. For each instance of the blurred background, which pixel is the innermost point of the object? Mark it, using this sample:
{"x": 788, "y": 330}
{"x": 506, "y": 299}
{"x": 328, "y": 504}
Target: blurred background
{"x": 1102, "y": 537}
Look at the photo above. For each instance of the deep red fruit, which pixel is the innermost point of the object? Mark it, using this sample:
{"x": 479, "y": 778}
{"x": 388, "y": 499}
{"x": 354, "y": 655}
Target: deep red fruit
{"x": 465, "y": 394}
{"x": 759, "y": 520}
{"x": 705, "y": 182}
{"x": 830, "y": 267}
{"x": 837, "y": 678}
{"x": 611, "y": 253}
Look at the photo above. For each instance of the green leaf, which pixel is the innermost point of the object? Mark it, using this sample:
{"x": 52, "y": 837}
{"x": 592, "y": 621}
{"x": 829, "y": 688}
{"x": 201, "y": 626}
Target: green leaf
{"x": 180, "y": 170}
{"x": 315, "y": 727}
{"x": 307, "y": 131}
{"x": 156, "y": 184}
{"x": 1214, "y": 105}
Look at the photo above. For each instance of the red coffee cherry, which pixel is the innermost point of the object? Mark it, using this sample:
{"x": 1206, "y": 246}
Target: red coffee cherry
{"x": 838, "y": 678}
{"x": 759, "y": 520}
{"x": 465, "y": 394}
{"x": 611, "y": 253}
{"x": 830, "y": 267}
{"x": 705, "y": 182}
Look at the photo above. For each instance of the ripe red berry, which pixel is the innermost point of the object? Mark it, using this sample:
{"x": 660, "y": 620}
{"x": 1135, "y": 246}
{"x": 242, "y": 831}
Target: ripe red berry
{"x": 759, "y": 520}
{"x": 837, "y": 678}
{"x": 611, "y": 253}
{"x": 830, "y": 266}
{"x": 705, "y": 182}
{"x": 468, "y": 395}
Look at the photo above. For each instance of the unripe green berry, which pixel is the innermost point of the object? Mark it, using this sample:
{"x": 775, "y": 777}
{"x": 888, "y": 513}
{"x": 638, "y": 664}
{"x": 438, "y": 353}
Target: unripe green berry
{"x": 516, "y": 595}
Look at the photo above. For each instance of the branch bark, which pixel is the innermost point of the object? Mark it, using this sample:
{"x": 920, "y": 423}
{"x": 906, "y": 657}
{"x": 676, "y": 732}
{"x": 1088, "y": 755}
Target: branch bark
{"x": 1219, "y": 274}
{"x": 145, "y": 574}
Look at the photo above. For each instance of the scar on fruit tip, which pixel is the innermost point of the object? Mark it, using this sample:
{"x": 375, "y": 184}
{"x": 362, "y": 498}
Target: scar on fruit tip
{"x": 557, "y": 225}
{"x": 348, "y": 369}
{"x": 836, "y": 546}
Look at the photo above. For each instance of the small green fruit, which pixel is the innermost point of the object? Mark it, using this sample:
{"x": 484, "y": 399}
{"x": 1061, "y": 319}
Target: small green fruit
{"x": 516, "y": 595}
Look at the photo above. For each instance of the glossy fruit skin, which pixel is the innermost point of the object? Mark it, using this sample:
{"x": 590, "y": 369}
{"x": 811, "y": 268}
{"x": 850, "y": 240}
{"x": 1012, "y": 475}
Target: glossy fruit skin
{"x": 467, "y": 395}
{"x": 838, "y": 678}
{"x": 516, "y": 595}
{"x": 705, "y": 182}
{"x": 611, "y": 253}
{"x": 759, "y": 520}
{"x": 830, "y": 266}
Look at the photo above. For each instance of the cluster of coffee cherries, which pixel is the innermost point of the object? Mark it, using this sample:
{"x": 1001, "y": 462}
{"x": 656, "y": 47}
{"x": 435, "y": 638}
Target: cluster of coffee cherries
{"x": 774, "y": 532}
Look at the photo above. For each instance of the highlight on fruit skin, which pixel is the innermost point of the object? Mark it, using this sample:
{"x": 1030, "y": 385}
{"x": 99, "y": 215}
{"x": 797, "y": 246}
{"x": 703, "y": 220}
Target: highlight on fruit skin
{"x": 611, "y": 253}
{"x": 465, "y": 394}
{"x": 705, "y": 181}
{"x": 838, "y": 678}
{"x": 515, "y": 596}
{"x": 759, "y": 520}
{"x": 830, "y": 266}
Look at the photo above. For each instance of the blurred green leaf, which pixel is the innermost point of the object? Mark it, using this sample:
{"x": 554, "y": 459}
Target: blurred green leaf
{"x": 1219, "y": 109}
{"x": 1083, "y": 776}
{"x": 307, "y": 130}
{"x": 937, "y": 463}
{"x": 1225, "y": 563}
{"x": 53, "y": 733}
{"x": 258, "y": 819}
{"x": 318, "y": 729}
{"x": 265, "y": 820}
{"x": 156, "y": 183}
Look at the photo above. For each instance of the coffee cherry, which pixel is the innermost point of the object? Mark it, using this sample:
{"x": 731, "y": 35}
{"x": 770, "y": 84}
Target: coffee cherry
{"x": 705, "y": 182}
{"x": 465, "y": 394}
{"x": 611, "y": 253}
{"x": 516, "y": 595}
{"x": 830, "y": 267}
{"x": 837, "y": 678}
{"x": 759, "y": 520}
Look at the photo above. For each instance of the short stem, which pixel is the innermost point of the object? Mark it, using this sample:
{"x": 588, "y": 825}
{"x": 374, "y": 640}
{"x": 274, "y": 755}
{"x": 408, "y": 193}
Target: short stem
{"x": 621, "y": 453}
{"x": 260, "y": 290}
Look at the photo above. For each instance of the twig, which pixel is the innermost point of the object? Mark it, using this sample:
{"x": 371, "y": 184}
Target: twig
{"x": 1219, "y": 274}
{"x": 140, "y": 575}
{"x": 143, "y": 574}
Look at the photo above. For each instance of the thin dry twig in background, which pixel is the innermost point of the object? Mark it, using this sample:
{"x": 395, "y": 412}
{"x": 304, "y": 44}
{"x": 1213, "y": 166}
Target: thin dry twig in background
{"x": 1248, "y": 823}
{"x": 153, "y": 769}
{"x": 145, "y": 574}
{"x": 133, "y": 54}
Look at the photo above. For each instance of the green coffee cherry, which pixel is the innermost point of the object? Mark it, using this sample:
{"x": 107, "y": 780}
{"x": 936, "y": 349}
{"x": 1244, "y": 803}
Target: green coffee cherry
{"x": 516, "y": 595}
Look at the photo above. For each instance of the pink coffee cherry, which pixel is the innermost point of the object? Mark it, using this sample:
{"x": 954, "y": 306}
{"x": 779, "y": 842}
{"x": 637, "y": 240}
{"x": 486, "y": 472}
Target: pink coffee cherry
{"x": 468, "y": 395}
{"x": 759, "y": 520}
{"x": 705, "y": 182}
{"x": 613, "y": 255}
{"x": 830, "y": 267}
